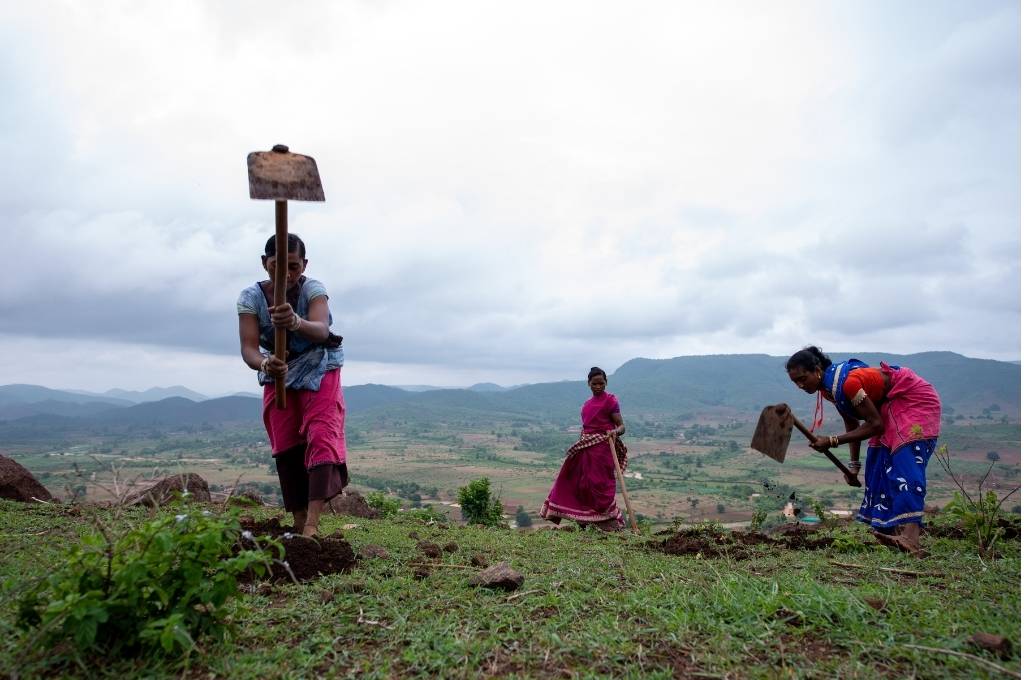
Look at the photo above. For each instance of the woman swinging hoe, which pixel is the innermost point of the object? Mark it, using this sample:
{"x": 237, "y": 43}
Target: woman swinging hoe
{"x": 308, "y": 436}
{"x": 899, "y": 414}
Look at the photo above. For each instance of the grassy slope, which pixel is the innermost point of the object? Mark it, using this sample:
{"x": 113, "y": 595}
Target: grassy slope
{"x": 592, "y": 605}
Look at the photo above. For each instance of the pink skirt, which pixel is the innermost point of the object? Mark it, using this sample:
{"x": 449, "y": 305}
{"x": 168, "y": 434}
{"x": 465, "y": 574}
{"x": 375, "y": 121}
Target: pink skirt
{"x": 316, "y": 419}
{"x": 584, "y": 490}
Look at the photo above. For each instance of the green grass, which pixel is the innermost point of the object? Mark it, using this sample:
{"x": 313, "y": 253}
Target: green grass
{"x": 592, "y": 605}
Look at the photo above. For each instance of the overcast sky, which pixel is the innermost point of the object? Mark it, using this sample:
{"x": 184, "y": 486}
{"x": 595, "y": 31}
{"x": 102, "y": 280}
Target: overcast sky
{"x": 515, "y": 191}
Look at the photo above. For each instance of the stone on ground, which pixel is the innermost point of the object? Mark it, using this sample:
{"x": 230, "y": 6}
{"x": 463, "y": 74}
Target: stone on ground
{"x": 500, "y": 576}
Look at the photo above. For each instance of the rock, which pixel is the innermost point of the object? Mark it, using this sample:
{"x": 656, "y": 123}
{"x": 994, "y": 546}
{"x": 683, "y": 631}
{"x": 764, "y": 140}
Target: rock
{"x": 420, "y": 573}
{"x": 353, "y": 504}
{"x": 374, "y": 551}
{"x": 326, "y": 596}
{"x": 451, "y": 547}
{"x": 996, "y": 644}
{"x": 500, "y": 576}
{"x": 429, "y": 549}
{"x": 478, "y": 560}
{"x": 18, "y": 484}
{"x": 189, "y": 485}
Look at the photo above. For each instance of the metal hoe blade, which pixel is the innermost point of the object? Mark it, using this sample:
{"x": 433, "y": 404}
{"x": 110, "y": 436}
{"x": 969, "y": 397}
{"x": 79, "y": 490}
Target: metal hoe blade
{"x": 280, "y": 175}
{"x": 773, "y": 431}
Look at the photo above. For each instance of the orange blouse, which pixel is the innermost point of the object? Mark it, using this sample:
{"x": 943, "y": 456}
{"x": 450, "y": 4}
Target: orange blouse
{"x": 860, "y": 384}
{"x": 864, "y": 383}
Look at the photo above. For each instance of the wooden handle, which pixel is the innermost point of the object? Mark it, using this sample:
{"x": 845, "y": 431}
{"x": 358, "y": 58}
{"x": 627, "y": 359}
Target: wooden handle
{"x": 280, "y": 282}
{"x": 622, "y": 485}
{"x": 851, "y": 478}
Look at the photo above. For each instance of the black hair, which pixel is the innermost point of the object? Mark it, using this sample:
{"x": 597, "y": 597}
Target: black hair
{"x": 810, "y": 358}
{"x": 294, "y": 244}
{"x": 596, "y": 371}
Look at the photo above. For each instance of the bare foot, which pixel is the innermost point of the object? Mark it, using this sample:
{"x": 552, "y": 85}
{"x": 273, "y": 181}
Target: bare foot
{"x": 885, "y": 539}
{"x": 901, "y": 543}
{"x": 309, "y": 531}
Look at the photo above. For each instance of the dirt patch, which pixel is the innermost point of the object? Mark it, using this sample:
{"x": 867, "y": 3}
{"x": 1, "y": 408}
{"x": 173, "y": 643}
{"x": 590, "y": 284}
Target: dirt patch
{"x": 809, "y": 647}
{"x": 737, "y": 545}
{"x": 664, "y": 655}
{"x": 306, "y": 558}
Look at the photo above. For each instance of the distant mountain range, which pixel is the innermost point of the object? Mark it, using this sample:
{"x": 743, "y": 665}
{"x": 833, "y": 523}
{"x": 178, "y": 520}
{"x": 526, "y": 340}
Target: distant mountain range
{"x": 737, "y": 384}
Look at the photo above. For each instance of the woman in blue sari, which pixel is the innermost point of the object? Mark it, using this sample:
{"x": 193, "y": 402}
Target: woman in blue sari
{"x": 898, "y": 413}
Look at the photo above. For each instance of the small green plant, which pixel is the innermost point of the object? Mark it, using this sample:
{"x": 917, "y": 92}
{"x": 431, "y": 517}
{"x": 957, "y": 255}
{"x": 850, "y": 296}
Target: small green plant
{"x": 757, "y": 519}
{"x": 478, "y": 507}
{"x": 979, "y": 515}
{"x": 155, "y": 590}
{"x": 828, "y": 520}
{"x": 383, "y": 503}
{"x": 523, "y": 518}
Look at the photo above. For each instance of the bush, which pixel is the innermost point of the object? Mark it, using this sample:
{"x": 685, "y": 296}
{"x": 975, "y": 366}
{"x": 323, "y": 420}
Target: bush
{"x": 157, "y": 589}
{"x": 384, "y": 504}
{"x": 477, "y": 505}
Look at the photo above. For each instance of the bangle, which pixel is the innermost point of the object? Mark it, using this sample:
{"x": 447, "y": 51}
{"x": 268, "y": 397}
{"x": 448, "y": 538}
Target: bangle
{"x": 855, "y": 465}
{"x": 296, "y": 322}
{"x": 833, "y": 441}
{"x": 263, "y": 364}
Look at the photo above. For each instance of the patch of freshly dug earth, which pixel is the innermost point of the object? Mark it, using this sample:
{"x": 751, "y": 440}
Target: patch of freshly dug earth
{"x": 737, "y": 544}
{"x": 307, "y": 558}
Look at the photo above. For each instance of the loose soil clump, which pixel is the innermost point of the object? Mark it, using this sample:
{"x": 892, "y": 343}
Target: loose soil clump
{"x": 307, "y": 558}
{"x": 737, "y": 545}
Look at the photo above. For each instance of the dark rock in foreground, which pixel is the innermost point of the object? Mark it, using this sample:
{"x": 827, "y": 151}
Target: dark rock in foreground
{"x": 353, "y": 504}
{"x": 500, "y": 576}
{"x": 18, "y": 484}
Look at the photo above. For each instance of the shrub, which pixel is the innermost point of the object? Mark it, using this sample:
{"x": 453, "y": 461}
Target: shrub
{"x": 384, "y": 504}
{"x": 523, "y": 518}
{"x": 757, "y": 519}
{"x": 979, "y": 515}
{"x": 156, "y": 589}
{"x": 478, "y": 507}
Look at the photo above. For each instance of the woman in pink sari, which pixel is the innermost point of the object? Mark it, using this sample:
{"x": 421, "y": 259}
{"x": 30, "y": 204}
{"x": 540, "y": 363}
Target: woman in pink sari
{"x": 584, "y": 490}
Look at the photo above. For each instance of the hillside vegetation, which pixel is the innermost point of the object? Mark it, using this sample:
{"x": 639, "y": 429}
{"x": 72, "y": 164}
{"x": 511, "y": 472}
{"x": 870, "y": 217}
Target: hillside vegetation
{"x": 591, "y": 605}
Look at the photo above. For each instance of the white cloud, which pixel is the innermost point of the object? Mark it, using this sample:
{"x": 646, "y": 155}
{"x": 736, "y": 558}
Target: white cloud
{"x": 517, "y": 190}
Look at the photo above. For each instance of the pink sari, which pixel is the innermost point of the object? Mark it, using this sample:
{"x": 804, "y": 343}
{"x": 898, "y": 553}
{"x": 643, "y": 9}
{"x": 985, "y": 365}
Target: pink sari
{"x": 584, "y": 490}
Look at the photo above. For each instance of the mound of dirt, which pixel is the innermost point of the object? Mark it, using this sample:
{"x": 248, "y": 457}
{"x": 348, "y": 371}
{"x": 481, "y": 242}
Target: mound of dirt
{"x": 172, "y": 487}
{"x": 18, "y": 484}
{"x": 737, "y": 544}
{"x": 307, "y": 558}
{"x": 352, "y": 503}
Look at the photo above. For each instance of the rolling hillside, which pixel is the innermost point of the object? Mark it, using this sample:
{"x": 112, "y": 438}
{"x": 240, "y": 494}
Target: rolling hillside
{"x": 683, "y": 386}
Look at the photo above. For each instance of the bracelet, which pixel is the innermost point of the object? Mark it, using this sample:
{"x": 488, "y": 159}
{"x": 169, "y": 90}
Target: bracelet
{"x": 833, "y": 441}
{"x": 296, "y": 322}
{"x": 263, "y": 364}
{"x": 855, "y": 465}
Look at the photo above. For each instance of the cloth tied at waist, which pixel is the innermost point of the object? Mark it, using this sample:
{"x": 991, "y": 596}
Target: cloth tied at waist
{"x": 587, "y": 440}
